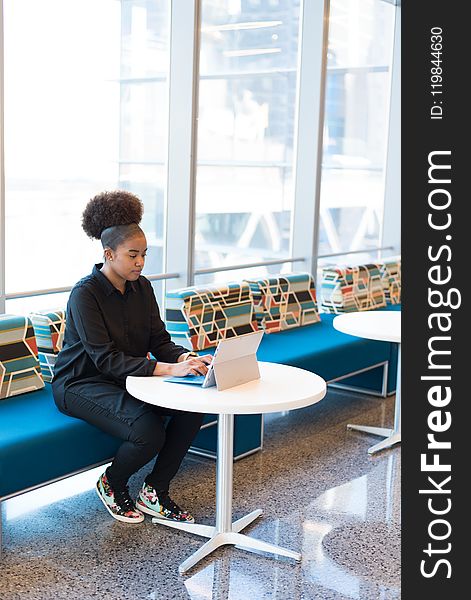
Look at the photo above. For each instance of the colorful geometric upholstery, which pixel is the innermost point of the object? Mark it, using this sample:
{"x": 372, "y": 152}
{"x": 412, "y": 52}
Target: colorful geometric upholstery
{"x": 352, "y": 288}
{"x": 391, "y": 275}
{"x": 285, "y": 301}
{"x": 204, "y": 315}
{"x": 49, "y": 328}
{"x": 19, "y": 365}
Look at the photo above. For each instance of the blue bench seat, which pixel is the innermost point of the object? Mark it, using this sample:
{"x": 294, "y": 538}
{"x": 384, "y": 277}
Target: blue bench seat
{"x": 39, "y": 444}
{"x": 322, "y": 349}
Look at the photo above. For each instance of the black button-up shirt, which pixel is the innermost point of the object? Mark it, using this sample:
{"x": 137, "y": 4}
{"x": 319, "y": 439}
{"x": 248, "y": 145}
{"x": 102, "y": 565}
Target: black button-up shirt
{"x": 108, "y": 334}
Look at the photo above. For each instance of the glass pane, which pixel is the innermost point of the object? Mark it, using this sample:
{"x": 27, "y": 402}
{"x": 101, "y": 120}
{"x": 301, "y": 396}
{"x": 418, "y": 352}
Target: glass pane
{"x": 74, "y": 112}
{"x": 148, "y": 183}
{"x": 143, "y": 124}
{"x": 223, "y": 277}
{"x": 246, "y": 215}
{"x": 247, "y": 98}
{"x": 24, "y": 306}
{"x": 159, "y": 292}
{"x": 143, "y": 116}
{"x": 144, "y": 39}
{"x": 356, "y": 125}
{"x": 248, "y": 37}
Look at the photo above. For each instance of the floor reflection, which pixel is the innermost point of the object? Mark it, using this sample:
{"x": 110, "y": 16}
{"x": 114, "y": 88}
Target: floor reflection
{"x": 359, "y": 513}
{"x": 227, "y": 579}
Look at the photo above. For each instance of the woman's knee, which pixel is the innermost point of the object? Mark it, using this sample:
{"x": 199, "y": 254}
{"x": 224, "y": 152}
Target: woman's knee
{"x": 148, "y": 430}
{"x": 188, "y": 421}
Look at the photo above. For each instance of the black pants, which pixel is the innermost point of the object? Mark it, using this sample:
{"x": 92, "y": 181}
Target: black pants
{"x": 142, "y": 427}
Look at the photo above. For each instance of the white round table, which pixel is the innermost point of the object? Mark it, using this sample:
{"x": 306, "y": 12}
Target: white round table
{"x": 383, "y": 326}
{"x": 279, "y": 388}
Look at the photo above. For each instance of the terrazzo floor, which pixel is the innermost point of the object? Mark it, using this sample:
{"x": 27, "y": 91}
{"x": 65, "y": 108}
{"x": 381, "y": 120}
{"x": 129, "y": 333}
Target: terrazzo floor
{"x": 321, "y": 493}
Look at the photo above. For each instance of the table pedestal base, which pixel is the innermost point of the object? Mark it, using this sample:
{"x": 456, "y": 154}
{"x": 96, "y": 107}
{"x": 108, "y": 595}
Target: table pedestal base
{"x": 217, "y": 539}
{"x": 393, "y": 436}
{"x": 225, "y": 531}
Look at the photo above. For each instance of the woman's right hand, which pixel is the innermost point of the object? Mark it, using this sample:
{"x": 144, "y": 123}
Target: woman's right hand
{"x": 192, "y": 366}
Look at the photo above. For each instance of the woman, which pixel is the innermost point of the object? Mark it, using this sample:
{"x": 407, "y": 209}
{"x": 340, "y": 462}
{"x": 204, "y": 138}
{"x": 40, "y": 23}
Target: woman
{"x": 113, "y": 321}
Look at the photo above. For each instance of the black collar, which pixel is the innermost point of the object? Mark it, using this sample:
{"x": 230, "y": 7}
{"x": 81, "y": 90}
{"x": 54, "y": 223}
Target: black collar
{"x": 106, "y": 283}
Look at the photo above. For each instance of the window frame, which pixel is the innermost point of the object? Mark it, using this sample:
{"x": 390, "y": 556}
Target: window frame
{"x": 185, "y": 32}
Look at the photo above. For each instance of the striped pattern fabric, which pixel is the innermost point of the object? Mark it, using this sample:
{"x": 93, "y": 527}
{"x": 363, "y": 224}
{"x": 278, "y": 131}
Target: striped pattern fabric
{"x": 204, "y": 315}
{"x": 19, "y": 365}
{"x": 391, "y": 276}
{"x": 352, "y": 288}
{"x": 49, "y": 328}
{"x": 285, "y": 301}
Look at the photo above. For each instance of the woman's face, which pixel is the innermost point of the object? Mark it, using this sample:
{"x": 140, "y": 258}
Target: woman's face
{"x": 127, "y": 261}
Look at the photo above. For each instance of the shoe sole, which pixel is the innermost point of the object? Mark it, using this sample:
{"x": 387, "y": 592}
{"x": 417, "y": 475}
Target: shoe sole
{"x": 117, "y": 517}
{"x": 158, "y": 515}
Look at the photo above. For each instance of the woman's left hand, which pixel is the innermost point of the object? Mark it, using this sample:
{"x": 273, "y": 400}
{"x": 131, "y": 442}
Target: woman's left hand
{"x": 193, "y": 365}
{"x": 206, "y": 358}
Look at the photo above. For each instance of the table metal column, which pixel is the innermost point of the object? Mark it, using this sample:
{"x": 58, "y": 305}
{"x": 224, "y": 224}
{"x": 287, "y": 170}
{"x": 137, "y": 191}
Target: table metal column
{"x": 225, "y": 531}
{"x": 393, "y": 436}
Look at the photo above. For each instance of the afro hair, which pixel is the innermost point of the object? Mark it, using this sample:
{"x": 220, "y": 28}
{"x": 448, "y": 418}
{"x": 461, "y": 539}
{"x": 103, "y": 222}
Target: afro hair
{"x": 109, "y": 209}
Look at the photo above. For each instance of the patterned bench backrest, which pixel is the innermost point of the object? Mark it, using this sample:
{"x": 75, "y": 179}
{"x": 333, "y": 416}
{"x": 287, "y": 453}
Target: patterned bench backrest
{"x": 352, "y": 288}
{"x": 19, "y": 366}
{"x": 391, "y": 275}
{"x": 285, "y": 301}
{"x": 204, "y": 315}
{"x": 49, "y": 328}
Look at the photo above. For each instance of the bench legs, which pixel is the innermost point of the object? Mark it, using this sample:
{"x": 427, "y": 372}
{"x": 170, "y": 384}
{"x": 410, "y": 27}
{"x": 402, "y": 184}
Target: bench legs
{"x": 336, "y": 382}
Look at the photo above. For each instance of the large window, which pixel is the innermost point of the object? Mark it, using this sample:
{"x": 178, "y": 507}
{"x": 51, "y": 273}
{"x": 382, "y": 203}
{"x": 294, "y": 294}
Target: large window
{"x": 86, "y": 108}
{"x": 355, "y": 126}
{"x": 247, "y": 105}
{"x": 85, "y": 111}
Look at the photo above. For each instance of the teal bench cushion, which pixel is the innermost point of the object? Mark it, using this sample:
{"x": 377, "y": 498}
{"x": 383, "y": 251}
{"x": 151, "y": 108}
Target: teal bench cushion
{"x": 322, "y": 349}
{"x": 38, "y": 443}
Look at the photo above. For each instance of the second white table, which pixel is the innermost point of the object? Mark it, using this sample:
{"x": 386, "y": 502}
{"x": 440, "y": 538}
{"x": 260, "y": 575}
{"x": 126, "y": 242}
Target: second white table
{"x": 383, "y": 326}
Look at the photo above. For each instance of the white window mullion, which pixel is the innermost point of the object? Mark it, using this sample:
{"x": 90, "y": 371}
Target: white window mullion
{"x": 391, "y": 226}
{"x": 183, "y": 107}
{"x": 2, "y": 176}
{"x": 309, "y": 136}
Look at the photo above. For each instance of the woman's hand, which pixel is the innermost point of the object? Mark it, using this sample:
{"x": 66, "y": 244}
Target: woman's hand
{"x": 192, "y": 366}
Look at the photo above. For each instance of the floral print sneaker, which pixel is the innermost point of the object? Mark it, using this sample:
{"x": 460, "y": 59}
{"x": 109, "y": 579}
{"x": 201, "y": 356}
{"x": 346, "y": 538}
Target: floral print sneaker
{"x": 119, "y": 503}
{"x": 160, "y": 505}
